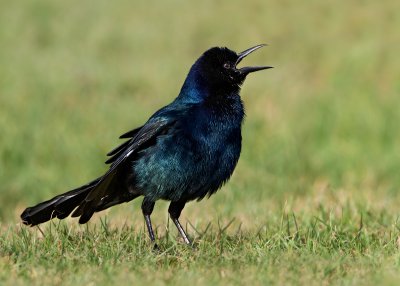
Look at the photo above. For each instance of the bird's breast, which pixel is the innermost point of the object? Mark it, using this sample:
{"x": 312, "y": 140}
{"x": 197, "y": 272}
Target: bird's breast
{"x": 194, "y": 159}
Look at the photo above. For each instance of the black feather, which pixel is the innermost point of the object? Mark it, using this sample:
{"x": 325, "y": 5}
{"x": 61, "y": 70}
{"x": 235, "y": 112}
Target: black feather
{"x": 185, "y": 151}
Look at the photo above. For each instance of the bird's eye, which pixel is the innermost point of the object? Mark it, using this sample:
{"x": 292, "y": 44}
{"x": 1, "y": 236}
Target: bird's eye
{"x": 227, "y": 65}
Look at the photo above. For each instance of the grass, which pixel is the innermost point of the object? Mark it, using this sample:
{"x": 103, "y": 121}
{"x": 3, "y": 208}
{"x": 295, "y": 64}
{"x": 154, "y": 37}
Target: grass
{"x": 314, "y": 199}
{"x": 289, "y": 249}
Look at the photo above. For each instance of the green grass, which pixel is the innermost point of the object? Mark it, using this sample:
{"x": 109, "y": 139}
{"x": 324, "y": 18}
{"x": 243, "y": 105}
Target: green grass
{"x": 315, "y": 197}
{"x": 289, "y": 249}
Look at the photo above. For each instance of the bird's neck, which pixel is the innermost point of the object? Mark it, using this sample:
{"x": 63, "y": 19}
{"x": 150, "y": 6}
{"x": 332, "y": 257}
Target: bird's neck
{"x": 196, "y": 89}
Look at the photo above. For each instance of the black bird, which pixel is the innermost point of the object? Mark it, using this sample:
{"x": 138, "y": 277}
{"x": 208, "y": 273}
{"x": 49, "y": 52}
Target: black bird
{"x": 185, "y": 151}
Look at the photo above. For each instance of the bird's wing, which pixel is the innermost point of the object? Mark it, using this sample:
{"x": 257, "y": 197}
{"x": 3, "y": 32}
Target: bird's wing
{"x": 154, "y": 127}
{"x": 129, "y": 134}
{"x": 151, "y": 129}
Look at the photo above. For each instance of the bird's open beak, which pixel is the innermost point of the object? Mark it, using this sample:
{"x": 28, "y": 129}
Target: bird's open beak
{"x": 245, "y": 53}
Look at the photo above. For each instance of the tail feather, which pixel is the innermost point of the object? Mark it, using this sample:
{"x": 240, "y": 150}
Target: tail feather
{"x": 60, "y": 206}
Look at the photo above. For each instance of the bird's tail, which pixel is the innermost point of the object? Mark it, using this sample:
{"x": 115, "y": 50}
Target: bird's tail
{"x": 60, "y": 206}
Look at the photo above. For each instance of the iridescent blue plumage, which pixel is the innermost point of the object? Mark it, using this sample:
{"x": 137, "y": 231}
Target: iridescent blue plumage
{"x": 185, "y": 151}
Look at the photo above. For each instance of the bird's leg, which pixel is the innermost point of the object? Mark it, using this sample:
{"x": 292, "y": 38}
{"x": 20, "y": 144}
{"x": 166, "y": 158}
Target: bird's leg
{"x": 147, "y": 209}
{"x": 175, "y": 209}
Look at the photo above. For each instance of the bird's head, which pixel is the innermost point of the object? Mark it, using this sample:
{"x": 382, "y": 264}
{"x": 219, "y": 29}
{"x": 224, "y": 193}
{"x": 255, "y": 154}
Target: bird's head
{"x": 217, "y": 72}
{"x": 219, "y": 66}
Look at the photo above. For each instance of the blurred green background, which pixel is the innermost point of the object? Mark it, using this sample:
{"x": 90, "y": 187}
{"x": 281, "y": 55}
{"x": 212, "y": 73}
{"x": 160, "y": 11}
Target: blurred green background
{"x": 321, "y": 128}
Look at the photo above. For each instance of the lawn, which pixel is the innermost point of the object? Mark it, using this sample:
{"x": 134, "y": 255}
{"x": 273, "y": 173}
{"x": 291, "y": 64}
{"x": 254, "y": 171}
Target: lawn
{"x": 315, "y": 197}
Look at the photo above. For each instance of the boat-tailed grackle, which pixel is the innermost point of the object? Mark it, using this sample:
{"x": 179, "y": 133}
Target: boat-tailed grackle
{"x": 185, "y": 151}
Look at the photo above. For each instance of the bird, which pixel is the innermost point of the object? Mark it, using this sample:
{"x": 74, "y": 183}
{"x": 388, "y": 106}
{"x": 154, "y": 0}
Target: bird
{"x": 185, "y": 151}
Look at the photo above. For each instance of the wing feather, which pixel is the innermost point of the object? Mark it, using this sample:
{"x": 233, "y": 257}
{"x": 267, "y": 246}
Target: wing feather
{"x": 150, "y": 130}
